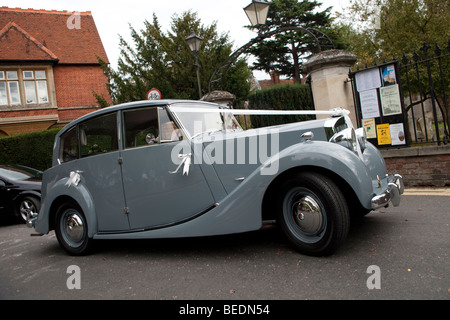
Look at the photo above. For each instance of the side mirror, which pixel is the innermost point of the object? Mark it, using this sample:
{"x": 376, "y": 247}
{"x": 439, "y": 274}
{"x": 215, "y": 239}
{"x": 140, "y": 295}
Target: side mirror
{"x": 2, "y": 184}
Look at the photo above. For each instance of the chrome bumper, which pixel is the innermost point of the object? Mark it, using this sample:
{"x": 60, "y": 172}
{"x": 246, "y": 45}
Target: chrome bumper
{"x": 395, "y": 188}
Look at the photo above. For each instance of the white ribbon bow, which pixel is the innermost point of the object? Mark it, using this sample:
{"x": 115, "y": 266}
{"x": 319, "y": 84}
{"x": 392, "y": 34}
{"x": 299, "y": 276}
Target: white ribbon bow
{"x": 74, "y": 178}
{"x": 186, "y": 160}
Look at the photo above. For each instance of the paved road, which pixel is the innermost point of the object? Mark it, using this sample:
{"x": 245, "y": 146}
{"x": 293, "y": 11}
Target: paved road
{"x": 409, "y": 245}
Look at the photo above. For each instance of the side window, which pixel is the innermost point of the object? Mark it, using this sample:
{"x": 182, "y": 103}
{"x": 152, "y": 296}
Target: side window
{"x": 98, "y": 135}
{"x": 140, "y": 127}
{"x": 69, "y": 145}
{"x": 169, "y": 130}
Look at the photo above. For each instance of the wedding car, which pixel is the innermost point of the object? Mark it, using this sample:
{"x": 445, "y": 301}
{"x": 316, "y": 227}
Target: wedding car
{"x": 171, "y": 168}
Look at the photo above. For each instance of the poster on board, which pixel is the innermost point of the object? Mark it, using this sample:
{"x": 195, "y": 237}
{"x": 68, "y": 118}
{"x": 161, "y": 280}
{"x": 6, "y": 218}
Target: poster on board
{"x": 397, "y": 131}
{"x": 379, "y": 105}
{"x": 370, "y": 128}
{"x": 369, "y": 104}
{"x": 388, "y": 75}
{"x": 390, "y": 100}
{"x": 368, "y": 79}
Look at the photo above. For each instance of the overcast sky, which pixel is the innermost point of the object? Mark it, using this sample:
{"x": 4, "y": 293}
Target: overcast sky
{"x": 113, "y": 17}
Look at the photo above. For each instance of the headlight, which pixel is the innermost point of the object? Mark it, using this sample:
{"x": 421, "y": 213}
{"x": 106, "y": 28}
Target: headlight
{"x": 346, "y": 138}
{"x": 362, "y": 138}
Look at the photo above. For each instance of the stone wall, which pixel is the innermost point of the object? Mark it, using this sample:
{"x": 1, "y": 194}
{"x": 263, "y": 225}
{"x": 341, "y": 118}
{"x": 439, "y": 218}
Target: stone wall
{"x": 420, "y": 166}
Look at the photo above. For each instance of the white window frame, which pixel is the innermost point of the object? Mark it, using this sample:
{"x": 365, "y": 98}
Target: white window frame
{"x": 8, "y": 83}
{"x": 23, "y": 76}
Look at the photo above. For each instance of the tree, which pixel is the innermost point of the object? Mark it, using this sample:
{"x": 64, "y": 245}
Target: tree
{"x": 378, "y": 29}
{"x": 157, "y": 59}
{"x": 284, "y": 52}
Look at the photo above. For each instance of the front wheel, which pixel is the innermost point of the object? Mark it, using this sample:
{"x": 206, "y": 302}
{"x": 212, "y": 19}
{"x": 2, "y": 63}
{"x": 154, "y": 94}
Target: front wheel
{"x": 313, "y": 213}
{"x": 71, "y": 230}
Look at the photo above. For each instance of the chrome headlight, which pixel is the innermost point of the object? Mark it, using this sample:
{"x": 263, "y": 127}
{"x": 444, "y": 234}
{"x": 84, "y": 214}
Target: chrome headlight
{"x": 346, "y": 138}
{"x": 362, "y": 138}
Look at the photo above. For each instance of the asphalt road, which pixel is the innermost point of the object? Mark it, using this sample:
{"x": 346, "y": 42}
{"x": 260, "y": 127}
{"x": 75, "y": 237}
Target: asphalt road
{"x": 402, "y": 253}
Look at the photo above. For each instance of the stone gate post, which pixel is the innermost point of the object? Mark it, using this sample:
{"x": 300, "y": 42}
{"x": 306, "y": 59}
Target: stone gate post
{"x": 329, "y": 81}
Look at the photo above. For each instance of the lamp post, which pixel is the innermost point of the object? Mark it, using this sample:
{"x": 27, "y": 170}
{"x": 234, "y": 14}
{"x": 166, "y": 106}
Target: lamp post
{"x": 257, "y": 12}
{"x": 194, "y": 42}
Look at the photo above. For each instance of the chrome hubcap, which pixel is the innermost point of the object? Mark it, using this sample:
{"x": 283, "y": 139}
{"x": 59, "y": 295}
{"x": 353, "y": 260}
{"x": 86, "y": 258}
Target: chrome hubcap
{"x": 74, "y": 227}
{"x": 27, "y": 210}
{"x": 307, "y": 215}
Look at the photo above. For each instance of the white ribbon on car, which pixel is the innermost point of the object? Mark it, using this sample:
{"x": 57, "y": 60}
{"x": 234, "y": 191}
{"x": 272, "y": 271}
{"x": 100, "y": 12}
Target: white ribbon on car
{"x": 186, "y": 160}
{"x": 74, "y": 178}
{"x": 334, "y": 112}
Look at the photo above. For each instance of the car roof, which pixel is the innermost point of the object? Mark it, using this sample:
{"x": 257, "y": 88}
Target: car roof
{"x": 135, "y": 104}
{"x": 17, "y": 167}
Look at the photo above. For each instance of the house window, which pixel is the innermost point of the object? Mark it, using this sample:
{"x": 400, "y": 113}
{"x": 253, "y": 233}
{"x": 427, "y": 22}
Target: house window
{"x": 9, "y": 88}
{"x": 35, "y": 85}
{"x": 27, "y": 86}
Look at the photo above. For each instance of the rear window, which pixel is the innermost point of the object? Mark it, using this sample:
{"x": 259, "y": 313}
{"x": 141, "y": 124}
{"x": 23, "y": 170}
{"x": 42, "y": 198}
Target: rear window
{"x": 92, "y": 137}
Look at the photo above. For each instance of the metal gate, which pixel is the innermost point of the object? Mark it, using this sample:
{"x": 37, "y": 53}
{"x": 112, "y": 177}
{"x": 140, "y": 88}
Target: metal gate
{"x": 424, "y": 93}
{"x": 425, "y": 84}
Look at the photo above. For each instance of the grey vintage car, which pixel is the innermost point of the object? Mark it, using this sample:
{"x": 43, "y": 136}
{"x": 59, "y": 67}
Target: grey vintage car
{"x": 164, "y": 169}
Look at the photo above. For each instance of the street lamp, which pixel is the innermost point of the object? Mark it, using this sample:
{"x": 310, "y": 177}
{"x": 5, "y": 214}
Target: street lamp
{"x": 194, "y": 42}
{"x": 257, "y": 12}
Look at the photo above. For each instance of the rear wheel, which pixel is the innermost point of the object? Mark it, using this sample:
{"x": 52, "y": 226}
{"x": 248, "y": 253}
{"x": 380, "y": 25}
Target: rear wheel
{"x": 71, "y": 229}
{"x": 313, "y": 213}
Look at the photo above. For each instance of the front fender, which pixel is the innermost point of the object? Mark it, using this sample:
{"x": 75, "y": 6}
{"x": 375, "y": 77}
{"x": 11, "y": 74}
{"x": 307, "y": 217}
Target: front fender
{"x": 60, "y": 193}
{"x": 329, "y": 156}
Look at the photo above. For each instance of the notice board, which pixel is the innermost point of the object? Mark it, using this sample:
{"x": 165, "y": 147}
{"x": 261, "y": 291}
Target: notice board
{"x": 379, "y": 105}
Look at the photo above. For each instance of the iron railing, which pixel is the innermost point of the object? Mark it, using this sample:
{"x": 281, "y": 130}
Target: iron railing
{"x": 426, "y": 90}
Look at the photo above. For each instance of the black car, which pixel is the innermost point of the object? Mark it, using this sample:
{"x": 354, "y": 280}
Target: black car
{"x": 20, "y": 191}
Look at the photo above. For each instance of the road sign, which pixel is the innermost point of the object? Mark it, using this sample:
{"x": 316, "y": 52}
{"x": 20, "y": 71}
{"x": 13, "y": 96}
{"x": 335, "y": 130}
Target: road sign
{"x": 154, "y": 94}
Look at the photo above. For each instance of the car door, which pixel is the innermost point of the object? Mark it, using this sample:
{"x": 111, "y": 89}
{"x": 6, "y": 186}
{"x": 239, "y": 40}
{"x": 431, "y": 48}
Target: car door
{"x": 91, "y": 149}
{"x": 156, "y": 194}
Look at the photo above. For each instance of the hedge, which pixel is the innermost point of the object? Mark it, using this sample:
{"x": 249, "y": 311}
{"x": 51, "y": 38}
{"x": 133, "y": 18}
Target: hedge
{"x": 29, "y": 149}
{"x": 281, "y": 97}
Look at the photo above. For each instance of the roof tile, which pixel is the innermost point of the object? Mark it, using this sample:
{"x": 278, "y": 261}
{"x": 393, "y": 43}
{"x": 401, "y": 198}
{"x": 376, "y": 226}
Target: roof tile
{"x": 72, "y": 37}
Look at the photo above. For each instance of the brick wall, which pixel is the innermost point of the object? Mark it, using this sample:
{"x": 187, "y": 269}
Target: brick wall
{"x": 28, "y": 113}
{"x": 74, "y": 86}
{"x": 420, "y": 166}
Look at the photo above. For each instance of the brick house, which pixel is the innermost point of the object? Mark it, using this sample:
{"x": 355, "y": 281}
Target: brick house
{"x": 48, "y": 68}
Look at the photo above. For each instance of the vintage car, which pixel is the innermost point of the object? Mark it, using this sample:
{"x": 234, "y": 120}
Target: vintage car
{"x": 164, "y": 169}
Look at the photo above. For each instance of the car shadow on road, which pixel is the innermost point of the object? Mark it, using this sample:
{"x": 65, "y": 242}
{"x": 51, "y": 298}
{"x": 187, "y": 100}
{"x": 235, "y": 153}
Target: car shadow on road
{"x": 268, "y": 239}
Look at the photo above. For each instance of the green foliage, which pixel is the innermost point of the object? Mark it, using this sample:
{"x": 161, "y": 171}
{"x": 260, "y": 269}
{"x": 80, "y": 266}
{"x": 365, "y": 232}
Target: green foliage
{"x": 378, "y": 29}
{"x": 281, "y": 97}
{"x": 30, "y": 149}
{"x": 285, "y": 51}
{"x": 163, "y": 60}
